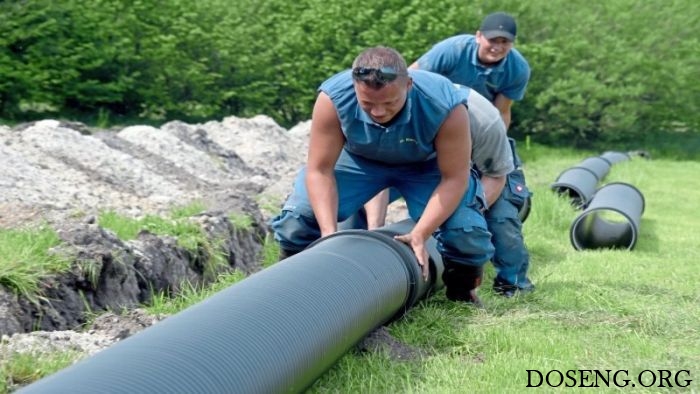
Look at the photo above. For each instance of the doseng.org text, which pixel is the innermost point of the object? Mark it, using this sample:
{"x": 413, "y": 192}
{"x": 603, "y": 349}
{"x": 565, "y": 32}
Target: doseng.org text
{"x": 608, "y": 378}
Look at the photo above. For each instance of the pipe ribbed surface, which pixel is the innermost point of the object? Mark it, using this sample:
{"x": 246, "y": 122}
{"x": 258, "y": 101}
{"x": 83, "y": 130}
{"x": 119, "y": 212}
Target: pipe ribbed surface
{"x": 578, "y": 183}
{"x": 275, "y": 331}
{"x": 611, "y": 219}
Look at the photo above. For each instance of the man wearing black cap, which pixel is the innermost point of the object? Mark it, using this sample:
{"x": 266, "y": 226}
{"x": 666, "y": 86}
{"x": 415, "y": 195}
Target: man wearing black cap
{"x": 488, "y": 63}
{"x": 485, "y": 61}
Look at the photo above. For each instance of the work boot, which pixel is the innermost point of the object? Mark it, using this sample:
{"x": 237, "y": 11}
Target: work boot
{"x": 461, "y": 282}
{"x": 503, "y": 288}
{"x": 526, "y": 286}
{"x": 507, "y": 290}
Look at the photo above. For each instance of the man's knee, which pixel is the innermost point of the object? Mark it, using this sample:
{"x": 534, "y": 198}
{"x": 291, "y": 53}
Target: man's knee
{"x": 293, "y": 231}
{"x": 507, "y": 227}
{"x": 508, "y": 240}
{"x": 469, "y": 245}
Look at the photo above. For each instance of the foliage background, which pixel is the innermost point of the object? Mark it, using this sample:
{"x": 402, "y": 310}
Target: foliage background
{"x": 618, "y": 73}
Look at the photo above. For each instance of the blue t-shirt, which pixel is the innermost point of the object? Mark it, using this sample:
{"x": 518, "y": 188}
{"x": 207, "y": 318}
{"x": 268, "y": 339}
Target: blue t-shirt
{"x": 410, "y": 136}
{"x": 457, "y": 59}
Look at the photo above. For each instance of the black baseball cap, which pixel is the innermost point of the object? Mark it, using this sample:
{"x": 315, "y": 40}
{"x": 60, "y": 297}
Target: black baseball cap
{"x": 498, "y": 24}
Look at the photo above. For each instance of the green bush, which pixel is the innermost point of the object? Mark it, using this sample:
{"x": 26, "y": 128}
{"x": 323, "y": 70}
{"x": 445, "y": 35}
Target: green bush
{"x": 602, "y": 73}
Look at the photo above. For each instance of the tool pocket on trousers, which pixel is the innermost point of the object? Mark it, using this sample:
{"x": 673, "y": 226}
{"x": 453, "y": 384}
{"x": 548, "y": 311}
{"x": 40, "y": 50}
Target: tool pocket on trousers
{"x": 516, "y": 191}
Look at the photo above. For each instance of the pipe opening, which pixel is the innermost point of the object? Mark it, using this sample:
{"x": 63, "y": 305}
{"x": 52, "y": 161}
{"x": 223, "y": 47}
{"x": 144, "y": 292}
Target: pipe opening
{"x": 603, "y": 228}
{"x": 577, "y": 197}
{"x": 578, "y": 184}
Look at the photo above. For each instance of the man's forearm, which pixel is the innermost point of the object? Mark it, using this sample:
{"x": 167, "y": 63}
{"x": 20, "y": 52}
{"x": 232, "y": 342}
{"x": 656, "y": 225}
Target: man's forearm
{"x": 443, "y": 202}
{"x": 323, "y": 198}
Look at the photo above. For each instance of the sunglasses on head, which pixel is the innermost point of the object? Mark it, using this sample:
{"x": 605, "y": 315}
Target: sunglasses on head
{"x": 382, "y": 75}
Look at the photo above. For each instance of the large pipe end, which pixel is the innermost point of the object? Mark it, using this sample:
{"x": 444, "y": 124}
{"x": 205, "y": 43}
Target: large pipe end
{"x": 418, "y": 287}
{"x": 578, "y": 183}
{"x": 611, "y": 219}
{"x": 603, "y": 228}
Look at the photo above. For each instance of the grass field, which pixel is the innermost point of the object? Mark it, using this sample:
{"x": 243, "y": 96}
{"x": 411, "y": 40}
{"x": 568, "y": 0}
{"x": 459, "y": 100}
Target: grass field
{"x": 628, "y": 312}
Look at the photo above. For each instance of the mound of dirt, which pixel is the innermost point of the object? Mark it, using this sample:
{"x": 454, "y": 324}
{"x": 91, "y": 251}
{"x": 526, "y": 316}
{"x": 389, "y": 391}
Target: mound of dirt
{"x": 55, "y": 171}
{"x": 65, "y": 174}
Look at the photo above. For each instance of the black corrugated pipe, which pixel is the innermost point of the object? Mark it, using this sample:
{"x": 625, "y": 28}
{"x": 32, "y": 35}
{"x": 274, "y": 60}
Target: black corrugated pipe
{"x": 275, "y": 331}
{"x": 611, "y": 219}
{"x": 597, "y": 165}
{"x": 578, "y": 183}
{"x": 615, "y": 157}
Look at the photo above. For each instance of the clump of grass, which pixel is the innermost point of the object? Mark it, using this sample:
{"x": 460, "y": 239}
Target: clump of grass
{"x": 190, "y": 294}
{"x": 190, "y": 235}
{"x": 186, "y": 211}
{"x": 177, "y": 224}
{"x": 26, "y": 257}
{"x": 241, "y": 221}
{"x": 270, "y": 205}
{"x": 270, "y": 251}
{"x": 21, "y": 369}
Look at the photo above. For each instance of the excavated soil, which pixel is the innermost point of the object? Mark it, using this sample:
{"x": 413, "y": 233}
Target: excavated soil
{"x": 63, "y": 175}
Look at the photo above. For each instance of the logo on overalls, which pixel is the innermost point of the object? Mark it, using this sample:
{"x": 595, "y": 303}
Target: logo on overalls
{"x": 519, "y": 188}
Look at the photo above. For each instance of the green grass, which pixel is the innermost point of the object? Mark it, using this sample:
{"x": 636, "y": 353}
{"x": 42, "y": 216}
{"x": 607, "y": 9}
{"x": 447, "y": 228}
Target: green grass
{"x": 178, "y": 224}
{"x": 270, "y": 252}
{"x": 190, "y": 294}
{"x": 20, "y": 369}
{"x": 26, "y": 256}
{"x": 241, "y": 221}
